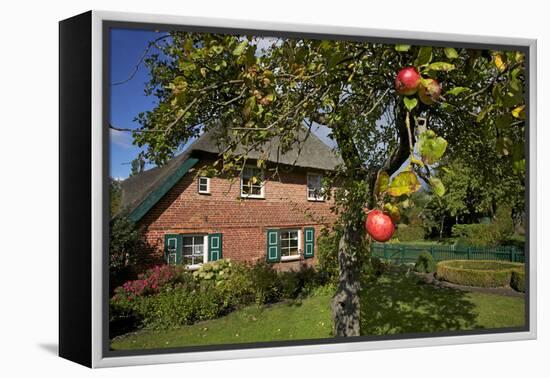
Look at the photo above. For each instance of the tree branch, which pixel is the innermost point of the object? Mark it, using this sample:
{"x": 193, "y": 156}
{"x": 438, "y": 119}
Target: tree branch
{"x": 140, "y": 60}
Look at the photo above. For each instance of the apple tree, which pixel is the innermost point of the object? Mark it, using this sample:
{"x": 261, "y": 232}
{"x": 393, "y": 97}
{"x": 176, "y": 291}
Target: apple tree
{"x": 391, "y": 110}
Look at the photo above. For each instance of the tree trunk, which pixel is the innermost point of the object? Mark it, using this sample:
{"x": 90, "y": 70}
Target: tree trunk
{"x": 346, "y": 306}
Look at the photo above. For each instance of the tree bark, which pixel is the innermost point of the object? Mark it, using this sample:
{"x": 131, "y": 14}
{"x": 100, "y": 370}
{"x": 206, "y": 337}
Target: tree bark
{"x": 346, "y": 304}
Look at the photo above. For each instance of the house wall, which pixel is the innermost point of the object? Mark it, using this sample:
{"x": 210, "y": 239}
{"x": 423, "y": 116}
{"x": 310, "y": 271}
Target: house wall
{"x": 243, "y": 222}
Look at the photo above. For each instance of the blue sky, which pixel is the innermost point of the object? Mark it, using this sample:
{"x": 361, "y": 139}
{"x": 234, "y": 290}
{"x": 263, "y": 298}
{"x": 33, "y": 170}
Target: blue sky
{"x": 129, "y": 99}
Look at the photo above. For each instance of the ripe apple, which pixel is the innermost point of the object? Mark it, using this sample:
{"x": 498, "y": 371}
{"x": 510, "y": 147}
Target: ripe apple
{"x": 407, "y": 81}
{"x": 380, "y": 226}
{"x": 429, "y": 92}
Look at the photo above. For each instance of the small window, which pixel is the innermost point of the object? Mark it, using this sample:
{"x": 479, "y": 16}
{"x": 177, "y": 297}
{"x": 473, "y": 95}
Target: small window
{"x": 193, "y": 250}
{"x": 314, "y": 187}
{"x": 290, "y": 243}
{"x": 252, "y": 183}
{"x": 204, "y": 185}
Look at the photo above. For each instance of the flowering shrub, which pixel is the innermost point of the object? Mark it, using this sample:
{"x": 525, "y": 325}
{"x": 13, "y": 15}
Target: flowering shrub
{"x": 153, "y": 281}
{"x": 171, "y": 296}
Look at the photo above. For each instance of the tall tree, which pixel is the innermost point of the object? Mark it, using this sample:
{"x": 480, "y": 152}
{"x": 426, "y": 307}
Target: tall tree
{"x": 250, "y": 90}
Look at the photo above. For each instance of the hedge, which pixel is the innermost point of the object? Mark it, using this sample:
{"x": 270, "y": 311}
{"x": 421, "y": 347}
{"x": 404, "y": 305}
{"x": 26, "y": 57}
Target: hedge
{"x": 425, "y": 263}
{"x": 478, "y": 273}
{"x": 517, "y": 280}
{"x": 406, "y": 233}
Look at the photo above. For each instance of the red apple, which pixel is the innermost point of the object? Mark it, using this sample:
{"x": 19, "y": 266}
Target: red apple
{"x": 407, "y": 81}
{"x": 380, "y": 226}
{"x": 429, "y": 92}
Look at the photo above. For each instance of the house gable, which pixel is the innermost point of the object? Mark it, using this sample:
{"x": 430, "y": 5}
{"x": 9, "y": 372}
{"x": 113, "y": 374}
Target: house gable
{"x": 161, "y": 190}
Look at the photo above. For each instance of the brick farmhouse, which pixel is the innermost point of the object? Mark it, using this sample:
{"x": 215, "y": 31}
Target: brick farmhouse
{"x": 190, "y": 220}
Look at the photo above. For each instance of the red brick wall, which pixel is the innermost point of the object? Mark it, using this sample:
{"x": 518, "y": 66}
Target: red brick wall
{"x": 243, "y": 222}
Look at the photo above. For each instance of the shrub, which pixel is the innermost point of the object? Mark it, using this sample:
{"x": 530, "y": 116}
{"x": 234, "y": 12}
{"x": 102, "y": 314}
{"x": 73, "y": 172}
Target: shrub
{"x": 125, "y": 246}
{"x": 290, "y": 285}
{"x": 327, "y": 254}
{"x": 486, "y": 235}
{"x": 154, "y": 280}
{"x": 216, "y": 271}
{"x": 264, "y": 282}
{"x": 407, "y": 233}
{"x": 425, "y": 263}
{"x": 477, "y": 273}
{"x": 517, "y": 280}
{"x": 477, "y": 234}
{"x": 181, "y": 306}
{"x": 251, "y": 283}
{"x": 171, "y": 296}
{"x": 377, "y": 267}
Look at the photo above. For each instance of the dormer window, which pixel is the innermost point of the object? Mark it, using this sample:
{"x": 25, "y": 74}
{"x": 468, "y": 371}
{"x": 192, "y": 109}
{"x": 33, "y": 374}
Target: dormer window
{"x": 204, "y": 185}
{"x": 252, "y": 183}
{"x": 314, "y": 187}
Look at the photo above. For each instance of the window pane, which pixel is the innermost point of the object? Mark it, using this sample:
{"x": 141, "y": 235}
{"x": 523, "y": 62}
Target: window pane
{"x": 251, "y": 181}
{"x": 314, "y": 188}
{"x": 289, "y": 242}
{"x": 256, "y": 190}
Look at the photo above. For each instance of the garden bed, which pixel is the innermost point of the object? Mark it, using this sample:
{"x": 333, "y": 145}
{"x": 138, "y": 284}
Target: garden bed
{"x": 482, "y": 273}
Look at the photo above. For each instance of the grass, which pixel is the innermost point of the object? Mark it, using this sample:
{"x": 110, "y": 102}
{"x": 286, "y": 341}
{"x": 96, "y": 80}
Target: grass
{"x": 395, "y": 304}
{"x": 296, "y": 320}
{"x": 400, "y": 304}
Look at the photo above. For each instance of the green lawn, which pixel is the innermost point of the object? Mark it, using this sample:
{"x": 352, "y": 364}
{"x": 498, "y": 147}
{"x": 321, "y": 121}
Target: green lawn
{"x": 307, "y": 319}
{"x": 395, "y": 304}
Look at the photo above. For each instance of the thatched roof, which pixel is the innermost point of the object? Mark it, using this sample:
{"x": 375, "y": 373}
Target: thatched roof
{"x": 308, "y": 152}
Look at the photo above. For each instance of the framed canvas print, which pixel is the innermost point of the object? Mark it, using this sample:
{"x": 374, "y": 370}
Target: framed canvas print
{"x": 234, "y": 189}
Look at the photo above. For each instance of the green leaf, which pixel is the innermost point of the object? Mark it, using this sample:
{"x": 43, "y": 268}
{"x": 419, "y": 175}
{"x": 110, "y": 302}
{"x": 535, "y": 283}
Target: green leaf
{"x": 381, "y": 184}
{"x": 417, "y": 161}
{"x": 410, "y": 103}
{"x": 424, "y": 56}
{"x": 393, "y": 211}
{"x": 450, "y": 53}
{"x": 481, "y": 115}
{"x": 240, "y": 48}
{"x": 431, "y": 147}
{"x": 441, "y": 66}
{"x": 457, "y": 90}
{"x": 402, "y": 48}
{"x": 187, "y": 66}
{"x": 503, "y": 122}
{"x": 249, "y": 105}
{"x": 437, "y": 186}
{"x": 217, "y": 49}
{"x": 403, "y": 184}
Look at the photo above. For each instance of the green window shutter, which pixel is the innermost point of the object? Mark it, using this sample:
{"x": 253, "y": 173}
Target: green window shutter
{"x": 172, "y": 249}
{"x": 214, "y": 247}
{"x": 273, "y": 251}
{"x": 309, "y": 242}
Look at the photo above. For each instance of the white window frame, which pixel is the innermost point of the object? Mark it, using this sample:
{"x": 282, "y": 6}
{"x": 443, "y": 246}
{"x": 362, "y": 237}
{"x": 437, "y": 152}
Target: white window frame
{"x": 320, "y": 197}
{"x": 207, "y": 185}
{"x": 262, "y": 186}
{"x": 205, "y": 252}
{"x": 291, "y": 257}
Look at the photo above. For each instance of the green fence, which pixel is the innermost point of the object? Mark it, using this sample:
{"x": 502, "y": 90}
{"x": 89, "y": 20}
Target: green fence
{"x": 407, "y": 253}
